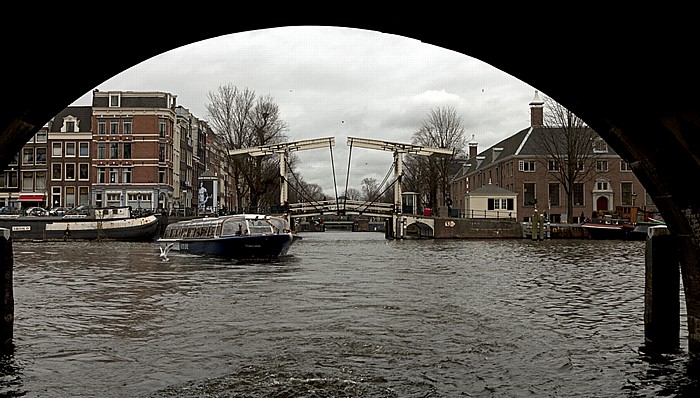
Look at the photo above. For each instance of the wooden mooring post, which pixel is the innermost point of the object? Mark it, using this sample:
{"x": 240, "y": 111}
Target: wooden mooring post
{"x": 662, "y": 292}
{"x": 7, "y": 299}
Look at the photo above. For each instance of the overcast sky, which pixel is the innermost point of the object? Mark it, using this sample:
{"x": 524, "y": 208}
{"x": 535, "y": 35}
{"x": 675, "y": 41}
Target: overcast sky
{"x": 340, "y": 82}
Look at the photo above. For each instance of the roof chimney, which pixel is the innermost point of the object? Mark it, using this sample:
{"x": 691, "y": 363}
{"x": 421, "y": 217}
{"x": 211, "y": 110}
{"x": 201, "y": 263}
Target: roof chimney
{"x": 472, "y": 148}
{"x": 536, "y": 111}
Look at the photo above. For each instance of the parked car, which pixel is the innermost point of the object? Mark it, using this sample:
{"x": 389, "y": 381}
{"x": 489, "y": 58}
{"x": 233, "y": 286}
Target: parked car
{"x": 58, "y": 211}
{"x": 36, "y": 212}
{"x": 8, "y": 210}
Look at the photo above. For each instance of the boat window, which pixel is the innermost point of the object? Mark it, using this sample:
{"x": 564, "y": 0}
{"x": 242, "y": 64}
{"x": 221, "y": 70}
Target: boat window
{"x": 233, "y": 226}
{"x": 259, "y": 227}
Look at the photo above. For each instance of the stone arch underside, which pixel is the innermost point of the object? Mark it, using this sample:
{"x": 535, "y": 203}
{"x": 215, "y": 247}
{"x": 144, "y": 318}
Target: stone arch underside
{"x": 635, "y": 85}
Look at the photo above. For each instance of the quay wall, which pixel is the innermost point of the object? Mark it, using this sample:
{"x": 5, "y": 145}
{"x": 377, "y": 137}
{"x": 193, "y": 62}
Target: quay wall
{"x": 476, "y": 228}
{"x": 479, "y": 228}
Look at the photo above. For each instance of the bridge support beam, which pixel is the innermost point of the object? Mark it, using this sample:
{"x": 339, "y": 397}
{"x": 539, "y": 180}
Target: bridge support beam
{"x": 662, "y": 292}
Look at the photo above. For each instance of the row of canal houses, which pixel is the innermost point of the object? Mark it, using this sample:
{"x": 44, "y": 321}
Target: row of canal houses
{"x": 511, "y": 180}
{"x": 139, "y": 149}
{"x": 143, "y": 150}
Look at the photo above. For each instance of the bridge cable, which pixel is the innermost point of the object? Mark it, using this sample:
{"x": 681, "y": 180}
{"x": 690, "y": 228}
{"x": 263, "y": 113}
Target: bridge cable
{"x": 335, "y": 184}
{"x": 347, "y": 177}
{"x": 380, "y": 194}
{"x": 304, "y": 193}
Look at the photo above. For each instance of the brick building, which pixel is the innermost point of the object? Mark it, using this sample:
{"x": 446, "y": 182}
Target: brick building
{"x": 519, "y": 164}
{"x": 137, "y": 149}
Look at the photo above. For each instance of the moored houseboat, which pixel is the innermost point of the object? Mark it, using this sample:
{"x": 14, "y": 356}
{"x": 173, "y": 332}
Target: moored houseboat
{"x": 239, "y": 236}
{"x": 85, "y": 223}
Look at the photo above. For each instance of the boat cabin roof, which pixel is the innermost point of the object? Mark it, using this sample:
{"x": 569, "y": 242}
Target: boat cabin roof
{"x": 238, "y": 224}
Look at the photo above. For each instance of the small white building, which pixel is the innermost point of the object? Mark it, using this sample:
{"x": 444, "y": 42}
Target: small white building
{"x": 491, "y": 201}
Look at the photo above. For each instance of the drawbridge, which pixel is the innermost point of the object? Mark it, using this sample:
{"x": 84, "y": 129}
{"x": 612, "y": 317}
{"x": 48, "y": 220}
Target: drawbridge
{"x": 342, "y": 206}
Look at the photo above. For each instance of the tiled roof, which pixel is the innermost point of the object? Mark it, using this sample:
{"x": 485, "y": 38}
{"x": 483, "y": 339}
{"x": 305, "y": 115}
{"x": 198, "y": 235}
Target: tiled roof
{"x": 523, "y": 143}
{"x": 83, "y": 113}
{"x": 491, "y": 190}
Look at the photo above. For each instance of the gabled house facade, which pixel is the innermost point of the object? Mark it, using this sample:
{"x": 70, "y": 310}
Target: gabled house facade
{"x": 518, "y": 164}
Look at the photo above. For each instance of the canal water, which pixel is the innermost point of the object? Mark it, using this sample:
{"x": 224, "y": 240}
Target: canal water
{"x": 344, "y": 315}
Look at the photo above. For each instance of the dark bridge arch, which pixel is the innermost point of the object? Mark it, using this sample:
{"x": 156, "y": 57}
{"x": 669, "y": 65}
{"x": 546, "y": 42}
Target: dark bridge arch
{"x": 636, "y": 85}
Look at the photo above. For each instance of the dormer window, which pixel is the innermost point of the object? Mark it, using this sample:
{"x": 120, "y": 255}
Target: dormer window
{"x": 600, "y": 146}
{"x": 114, "y": 100}
{"x": 70, "y": 124}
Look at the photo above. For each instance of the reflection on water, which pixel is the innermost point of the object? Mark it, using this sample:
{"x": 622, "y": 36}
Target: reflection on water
{"x": 345, "y": 314}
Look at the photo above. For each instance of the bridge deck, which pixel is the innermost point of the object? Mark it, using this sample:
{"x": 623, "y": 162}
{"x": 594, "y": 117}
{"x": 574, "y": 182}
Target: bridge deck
{"x": 307, "y": 209}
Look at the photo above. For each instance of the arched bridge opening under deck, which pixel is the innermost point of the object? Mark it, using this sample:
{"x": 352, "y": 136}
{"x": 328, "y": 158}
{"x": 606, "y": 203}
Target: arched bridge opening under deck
{"x": 634, "y": 80}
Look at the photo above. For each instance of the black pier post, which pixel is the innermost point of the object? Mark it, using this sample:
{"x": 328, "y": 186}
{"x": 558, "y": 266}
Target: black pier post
{"x": 662, "y": 292}
{"x": 7, "y": 300}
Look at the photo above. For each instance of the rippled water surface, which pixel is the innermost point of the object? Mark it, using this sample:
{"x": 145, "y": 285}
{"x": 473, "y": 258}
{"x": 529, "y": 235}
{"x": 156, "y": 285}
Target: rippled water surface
{"x": 344, "y": 315}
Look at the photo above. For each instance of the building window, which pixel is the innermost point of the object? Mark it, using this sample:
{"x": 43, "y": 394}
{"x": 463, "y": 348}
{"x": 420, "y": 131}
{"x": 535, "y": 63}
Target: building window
{"x": 529, "y": 194}
{"x": 114, "y": 100}
{"x": 127, "y": 150}
{"x": 83, "y": 196}
{"x": 601, "y": 165}
{"x": 70, "y": 171}
{"x": 40, "y": 182}
{"x": 126, "y": 176}
{"x": 161, "y": 153}
{"x": 101, "y": 150}
{"x": 70, "y": 196}
{"x": 84, "y": 149}
{"x": 626, "y": 196}
{"x": 624, "y": 166}
{"x": 28, "y": 156}
{"x": 41, "y": 155}
{"x": 578, "y": 194}
{"x": 161, "y": 176}
{"x": 114, "y": 199}
{"x": 113, "y": 176}
{"x": 56, "y": 150}
{"x": 12, "y": 179}
{"x": 70, "y": 127}
{"x": 84, "y": 171}
{"x": 101, "y": 127}
{"x": 127, "y": 126}
{"x": 101, "y": 175}
{"x": 56, "y": 170}
{"x": 41, "y": 137}
{"x": 526, "y": 165}
{"x": 554, "y": 194}
{"x": 600, "y": 146}
{"x": 161, "y": 128}
{"x": 500, "y": 203}
{"x": 553, "y": 165}
{"x": 114, "y": 150}
{"x": 56, "y": 196}
{"x": 70, "y": 149}
{"x": 28, "y": 181}
{"x": 114, "y": 126}
{"x": 601, "y": 186}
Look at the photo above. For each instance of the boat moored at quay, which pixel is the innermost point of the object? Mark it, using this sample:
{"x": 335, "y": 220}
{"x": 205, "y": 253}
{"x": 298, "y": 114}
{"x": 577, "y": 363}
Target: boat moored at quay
{"x": 239, "y": 236}
{"x": 85, "y": 223}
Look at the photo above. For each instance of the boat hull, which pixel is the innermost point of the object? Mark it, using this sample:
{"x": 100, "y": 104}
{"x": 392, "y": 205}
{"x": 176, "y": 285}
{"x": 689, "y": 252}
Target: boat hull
{"x": 236, "y": 247}
{"x": 54, "y": 228}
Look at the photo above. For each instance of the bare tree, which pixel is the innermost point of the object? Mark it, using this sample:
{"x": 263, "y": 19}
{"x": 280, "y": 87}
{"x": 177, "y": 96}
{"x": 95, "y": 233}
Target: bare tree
{"x": 352, "y": 194}
{"x": 245, "y": 120}
{"x": 370, "y": 189}
{"x": 566, "y": 145}
{"x": 442, "y": 128}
